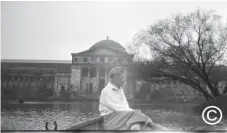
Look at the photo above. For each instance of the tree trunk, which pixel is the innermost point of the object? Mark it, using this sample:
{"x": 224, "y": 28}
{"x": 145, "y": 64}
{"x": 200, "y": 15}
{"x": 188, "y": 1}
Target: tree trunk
{"x": 205, "y": 93}
{"x": 213, "y": 90}
{"x": 207, "y": 96}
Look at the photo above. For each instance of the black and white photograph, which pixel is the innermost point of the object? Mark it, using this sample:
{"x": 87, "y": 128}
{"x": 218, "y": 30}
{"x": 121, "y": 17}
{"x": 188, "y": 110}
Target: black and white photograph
{"x": 109, "y": 66}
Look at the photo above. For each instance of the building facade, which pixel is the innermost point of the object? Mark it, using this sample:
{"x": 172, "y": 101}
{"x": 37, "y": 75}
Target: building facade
{"x": 34, "y": 78}
{"x": 87, "y": 72}
{"x": 90, "y": 68}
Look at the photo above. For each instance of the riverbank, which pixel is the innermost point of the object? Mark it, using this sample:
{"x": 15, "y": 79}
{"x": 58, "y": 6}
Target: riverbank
{"x": 136, "y": 101}
{"x": 67, "y": 113}
{"x": 219, "y": 101}
{"x": 53, "y": 100}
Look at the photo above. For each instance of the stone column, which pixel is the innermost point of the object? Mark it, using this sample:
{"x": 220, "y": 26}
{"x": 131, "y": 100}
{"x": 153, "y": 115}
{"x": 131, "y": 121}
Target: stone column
{"x": 89, "y": 75}
{"x": 106, "y": 76}
{"x": 29, "y": 85}
{"x": 134, "y": 87}
{"x": 97, "y": 69}
{"x": 165, "y": 84}
{"x": 81, "y": 78}
{"x": 52, "y": 85}
{"x": 69, "y": 86}
{"x": 89, "y": 80}
{"x": 55, "y": 86}
{"x": 13, "y": 79}
{"x": 18, "y": 82}
{"x": 24, "y": 83}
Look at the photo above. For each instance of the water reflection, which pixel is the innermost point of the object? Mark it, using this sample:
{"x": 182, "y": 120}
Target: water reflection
{"x": 33, "y": 115}
{"x": 83, "y": 107}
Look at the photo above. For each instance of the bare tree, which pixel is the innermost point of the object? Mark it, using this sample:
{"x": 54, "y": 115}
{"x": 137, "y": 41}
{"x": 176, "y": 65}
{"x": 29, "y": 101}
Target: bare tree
{"x": 191, "y": 46}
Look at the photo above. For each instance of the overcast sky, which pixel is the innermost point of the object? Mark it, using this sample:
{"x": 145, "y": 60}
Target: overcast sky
{"x": 54, "y": 30}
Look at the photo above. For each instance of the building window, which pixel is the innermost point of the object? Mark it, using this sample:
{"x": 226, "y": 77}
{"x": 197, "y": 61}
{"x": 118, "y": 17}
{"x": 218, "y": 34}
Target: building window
{"x": 93, "y": 72}
{"x": 85, "y": 59}
{"x": 102, "y": 59}
{"x": 75, "y": 59}
{"x": 85, "y": 72}
{"x": 93, "y": 59}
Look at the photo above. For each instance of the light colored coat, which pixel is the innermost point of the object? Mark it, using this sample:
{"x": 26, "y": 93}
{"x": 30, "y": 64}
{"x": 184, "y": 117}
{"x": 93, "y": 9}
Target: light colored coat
{"x": 112, "y": 99}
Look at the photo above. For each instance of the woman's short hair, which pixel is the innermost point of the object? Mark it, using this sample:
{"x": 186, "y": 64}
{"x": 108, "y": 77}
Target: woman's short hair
{"x": 115, "y": 71}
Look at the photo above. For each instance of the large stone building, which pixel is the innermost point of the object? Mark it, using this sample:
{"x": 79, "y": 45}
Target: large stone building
{"x": 28, "y": 77}
{"x": 86, "y": 73}
{"x": 90, "y": 68}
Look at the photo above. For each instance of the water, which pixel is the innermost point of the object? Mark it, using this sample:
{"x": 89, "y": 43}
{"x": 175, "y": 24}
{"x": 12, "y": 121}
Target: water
{"x": 33, "y": 115}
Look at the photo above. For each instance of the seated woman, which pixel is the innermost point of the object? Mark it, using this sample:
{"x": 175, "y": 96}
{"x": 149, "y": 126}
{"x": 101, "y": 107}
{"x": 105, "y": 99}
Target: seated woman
{"x": 114, "y": 107}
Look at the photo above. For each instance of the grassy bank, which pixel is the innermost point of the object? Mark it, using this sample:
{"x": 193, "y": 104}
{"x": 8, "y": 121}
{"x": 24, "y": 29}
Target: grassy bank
{"x": 220, "y": 102}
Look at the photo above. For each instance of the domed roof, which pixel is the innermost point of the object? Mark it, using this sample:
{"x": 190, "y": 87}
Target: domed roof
{"x": 107, "y": 44}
